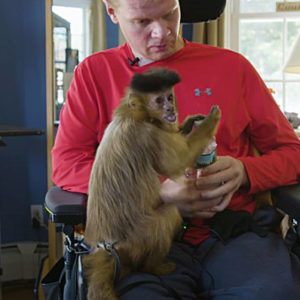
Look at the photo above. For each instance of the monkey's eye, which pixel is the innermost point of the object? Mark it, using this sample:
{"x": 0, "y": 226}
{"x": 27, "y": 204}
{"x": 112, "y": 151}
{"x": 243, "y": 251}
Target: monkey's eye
{"x": 170, "y": 97}
{"x": 159, "y": 100}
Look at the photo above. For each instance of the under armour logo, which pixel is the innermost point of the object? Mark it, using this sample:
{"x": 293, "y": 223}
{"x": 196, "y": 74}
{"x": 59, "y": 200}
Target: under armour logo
{"x": 198, "y": 92}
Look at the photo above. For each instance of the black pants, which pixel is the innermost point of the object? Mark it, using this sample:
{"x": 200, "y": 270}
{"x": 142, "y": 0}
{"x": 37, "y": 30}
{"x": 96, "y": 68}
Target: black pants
{"x": 247, "y": 267}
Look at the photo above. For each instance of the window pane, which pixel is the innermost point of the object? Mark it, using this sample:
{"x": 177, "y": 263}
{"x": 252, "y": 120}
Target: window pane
{"x": 261, "y": 43}
{"x": 276, "y": 89}
{"x": 258, "y": 6}
{"x": 74, "y": 15}
{"x": 77, "y": 44}
{"x": 60, "y": 37}
{"x": 292, "y": 97}
{"x": 293, "y": 28}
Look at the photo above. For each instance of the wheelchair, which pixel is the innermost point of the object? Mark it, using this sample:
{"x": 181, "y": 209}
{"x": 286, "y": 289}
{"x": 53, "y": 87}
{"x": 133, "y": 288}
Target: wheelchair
{"x": 66, "y": 280}
{"x": 69, "y": 209}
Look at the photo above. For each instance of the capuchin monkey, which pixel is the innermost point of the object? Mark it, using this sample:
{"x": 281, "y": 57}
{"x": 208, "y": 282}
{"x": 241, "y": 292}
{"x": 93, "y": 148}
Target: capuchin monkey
{"x": 125, "y": 213}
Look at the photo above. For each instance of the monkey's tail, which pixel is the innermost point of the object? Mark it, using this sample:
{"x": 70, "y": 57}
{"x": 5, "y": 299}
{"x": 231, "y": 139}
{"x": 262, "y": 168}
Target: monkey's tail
{"x": 99, "y": 269}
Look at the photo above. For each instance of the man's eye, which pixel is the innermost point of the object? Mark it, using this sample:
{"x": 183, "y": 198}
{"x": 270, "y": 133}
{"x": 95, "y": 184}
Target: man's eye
{"x": 143, "y": 21}
{"x": 170, "y": 97}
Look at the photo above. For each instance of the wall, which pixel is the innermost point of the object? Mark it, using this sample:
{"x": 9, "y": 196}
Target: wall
{"x": 112, "y": 33}
{"x": 23, "y": 169}
{"x": 23, "y": 163}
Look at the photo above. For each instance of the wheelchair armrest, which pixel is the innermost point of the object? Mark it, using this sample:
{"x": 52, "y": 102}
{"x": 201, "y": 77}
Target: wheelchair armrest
{"x": 66, "y": 207}
{"x": 287, "y": 198}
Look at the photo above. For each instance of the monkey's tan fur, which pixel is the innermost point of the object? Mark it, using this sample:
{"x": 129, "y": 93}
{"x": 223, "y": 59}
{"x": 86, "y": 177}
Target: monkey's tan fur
{"x": 124, "y": 204}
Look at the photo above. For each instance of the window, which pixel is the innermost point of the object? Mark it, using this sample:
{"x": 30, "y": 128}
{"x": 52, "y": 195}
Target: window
{"x": 76, "y": 13}
{"x": 265, "y": 37}
{"x": 70, "y": 42}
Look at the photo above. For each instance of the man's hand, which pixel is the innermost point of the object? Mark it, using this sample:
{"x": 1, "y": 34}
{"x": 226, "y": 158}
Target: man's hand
{"x": 202, "y": 196}
{"x": 230, "y": 175}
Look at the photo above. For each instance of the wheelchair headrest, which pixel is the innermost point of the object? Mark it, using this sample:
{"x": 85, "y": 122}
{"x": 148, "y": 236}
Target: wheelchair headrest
{"x": 193, "y": 11}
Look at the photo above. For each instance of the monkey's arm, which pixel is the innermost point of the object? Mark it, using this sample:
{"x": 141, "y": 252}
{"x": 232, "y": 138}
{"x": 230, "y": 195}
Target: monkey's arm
{"x": 206, "y": 130}
{"x": 181, "y": 152}
{"x": 187, "y": 125}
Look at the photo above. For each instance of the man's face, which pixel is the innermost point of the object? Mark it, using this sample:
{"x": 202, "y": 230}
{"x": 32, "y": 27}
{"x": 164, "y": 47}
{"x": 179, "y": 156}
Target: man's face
{"x": 150, "y": 26}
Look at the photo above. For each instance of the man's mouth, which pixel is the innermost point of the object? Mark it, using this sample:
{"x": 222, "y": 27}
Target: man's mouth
{"x": 161, "y": 47}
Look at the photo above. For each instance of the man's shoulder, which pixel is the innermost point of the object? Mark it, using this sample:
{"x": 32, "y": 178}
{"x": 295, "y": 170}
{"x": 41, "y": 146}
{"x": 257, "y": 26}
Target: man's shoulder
{"x": 215, "y": 55}
{"x": 120, "y": 50}
{"x": 100, "y": 62}
{"x": 209, "y": 49}
{"x": 111, "y": 54}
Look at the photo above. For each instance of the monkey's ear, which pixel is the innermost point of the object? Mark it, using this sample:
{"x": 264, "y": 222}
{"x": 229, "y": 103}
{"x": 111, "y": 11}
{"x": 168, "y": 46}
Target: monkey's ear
{"x": 134, "y": 101}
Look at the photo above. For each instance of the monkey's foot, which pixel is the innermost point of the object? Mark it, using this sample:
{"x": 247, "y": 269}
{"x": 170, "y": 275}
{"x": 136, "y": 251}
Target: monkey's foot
{"x": 215, "y": 112}
{"x": 187, "y": 125}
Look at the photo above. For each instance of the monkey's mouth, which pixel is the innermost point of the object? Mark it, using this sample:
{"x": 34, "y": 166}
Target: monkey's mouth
{"x": 170, "y": 118}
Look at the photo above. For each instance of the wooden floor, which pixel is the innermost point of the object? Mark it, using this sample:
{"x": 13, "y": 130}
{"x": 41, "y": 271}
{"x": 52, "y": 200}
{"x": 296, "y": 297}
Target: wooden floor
{"x": 18, "y": 291}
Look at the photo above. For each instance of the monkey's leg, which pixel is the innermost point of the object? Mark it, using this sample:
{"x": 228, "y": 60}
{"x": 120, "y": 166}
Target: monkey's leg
{"x": 205, "y": 131}
{"x": 159, "y": 268}
{"x": 164, "y": 226}
{"x": 99, "y": 269}
{"x": 199, "y": 138}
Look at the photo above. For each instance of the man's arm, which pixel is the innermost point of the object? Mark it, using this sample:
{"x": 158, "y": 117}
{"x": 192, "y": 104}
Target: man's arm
{"x": 273, "y": 136}
{"x": 269, "y": 131}
{"x": 78, "y": 135}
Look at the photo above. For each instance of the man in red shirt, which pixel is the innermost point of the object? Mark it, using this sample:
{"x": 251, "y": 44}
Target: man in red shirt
{"x": 247, "y": 266}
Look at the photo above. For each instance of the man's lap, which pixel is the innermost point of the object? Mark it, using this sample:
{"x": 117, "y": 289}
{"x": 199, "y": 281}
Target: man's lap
{"x": 251, "y": 267}
{"x": 246, "y": 267}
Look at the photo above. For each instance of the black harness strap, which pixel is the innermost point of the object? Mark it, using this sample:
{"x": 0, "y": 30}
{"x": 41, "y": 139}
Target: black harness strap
{"x": 110, "y": 249}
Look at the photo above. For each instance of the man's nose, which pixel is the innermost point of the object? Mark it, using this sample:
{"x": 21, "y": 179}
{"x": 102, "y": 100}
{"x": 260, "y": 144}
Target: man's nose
{"x": 160, "y": 29}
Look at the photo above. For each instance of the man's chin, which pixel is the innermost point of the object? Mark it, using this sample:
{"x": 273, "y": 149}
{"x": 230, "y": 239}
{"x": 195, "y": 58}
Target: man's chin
{"x": 160, "y": 55}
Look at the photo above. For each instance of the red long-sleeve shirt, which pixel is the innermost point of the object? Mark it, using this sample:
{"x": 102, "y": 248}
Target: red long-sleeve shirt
{"x": 209, "y": 76}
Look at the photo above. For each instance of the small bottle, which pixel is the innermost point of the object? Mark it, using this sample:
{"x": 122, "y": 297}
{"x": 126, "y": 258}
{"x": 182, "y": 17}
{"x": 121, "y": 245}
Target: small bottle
{"x": 208, "y": 157}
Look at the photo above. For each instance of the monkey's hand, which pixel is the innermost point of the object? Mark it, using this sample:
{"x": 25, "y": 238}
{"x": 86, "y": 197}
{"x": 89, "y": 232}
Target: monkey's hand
{"x": 188, "y": 124}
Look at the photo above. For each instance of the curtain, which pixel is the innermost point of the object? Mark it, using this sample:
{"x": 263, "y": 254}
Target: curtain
{"x": 121, "y": 38}
{"x": 211, "y": 33}
{"x": 97, "y": 19}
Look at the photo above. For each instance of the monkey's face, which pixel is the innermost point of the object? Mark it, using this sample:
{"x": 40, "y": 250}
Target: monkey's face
{"x": 162, "y": 106}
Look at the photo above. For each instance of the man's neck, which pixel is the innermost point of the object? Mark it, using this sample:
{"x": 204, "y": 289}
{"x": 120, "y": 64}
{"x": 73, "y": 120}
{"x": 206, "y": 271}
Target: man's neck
{"x": 145, "y": 61}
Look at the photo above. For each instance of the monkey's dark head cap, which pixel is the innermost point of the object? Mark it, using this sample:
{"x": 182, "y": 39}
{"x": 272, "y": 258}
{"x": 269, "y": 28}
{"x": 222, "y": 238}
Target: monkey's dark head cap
{"x": 154, "y": 80}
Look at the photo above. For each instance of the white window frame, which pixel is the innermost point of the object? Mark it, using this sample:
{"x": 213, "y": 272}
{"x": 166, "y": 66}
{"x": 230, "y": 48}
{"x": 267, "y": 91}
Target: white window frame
{"x": 233, "y": 17}
{"x": 85, "y": 5}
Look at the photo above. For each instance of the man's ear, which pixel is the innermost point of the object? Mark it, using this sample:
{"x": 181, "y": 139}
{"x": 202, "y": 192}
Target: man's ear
{"x": 111, "y": 11}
